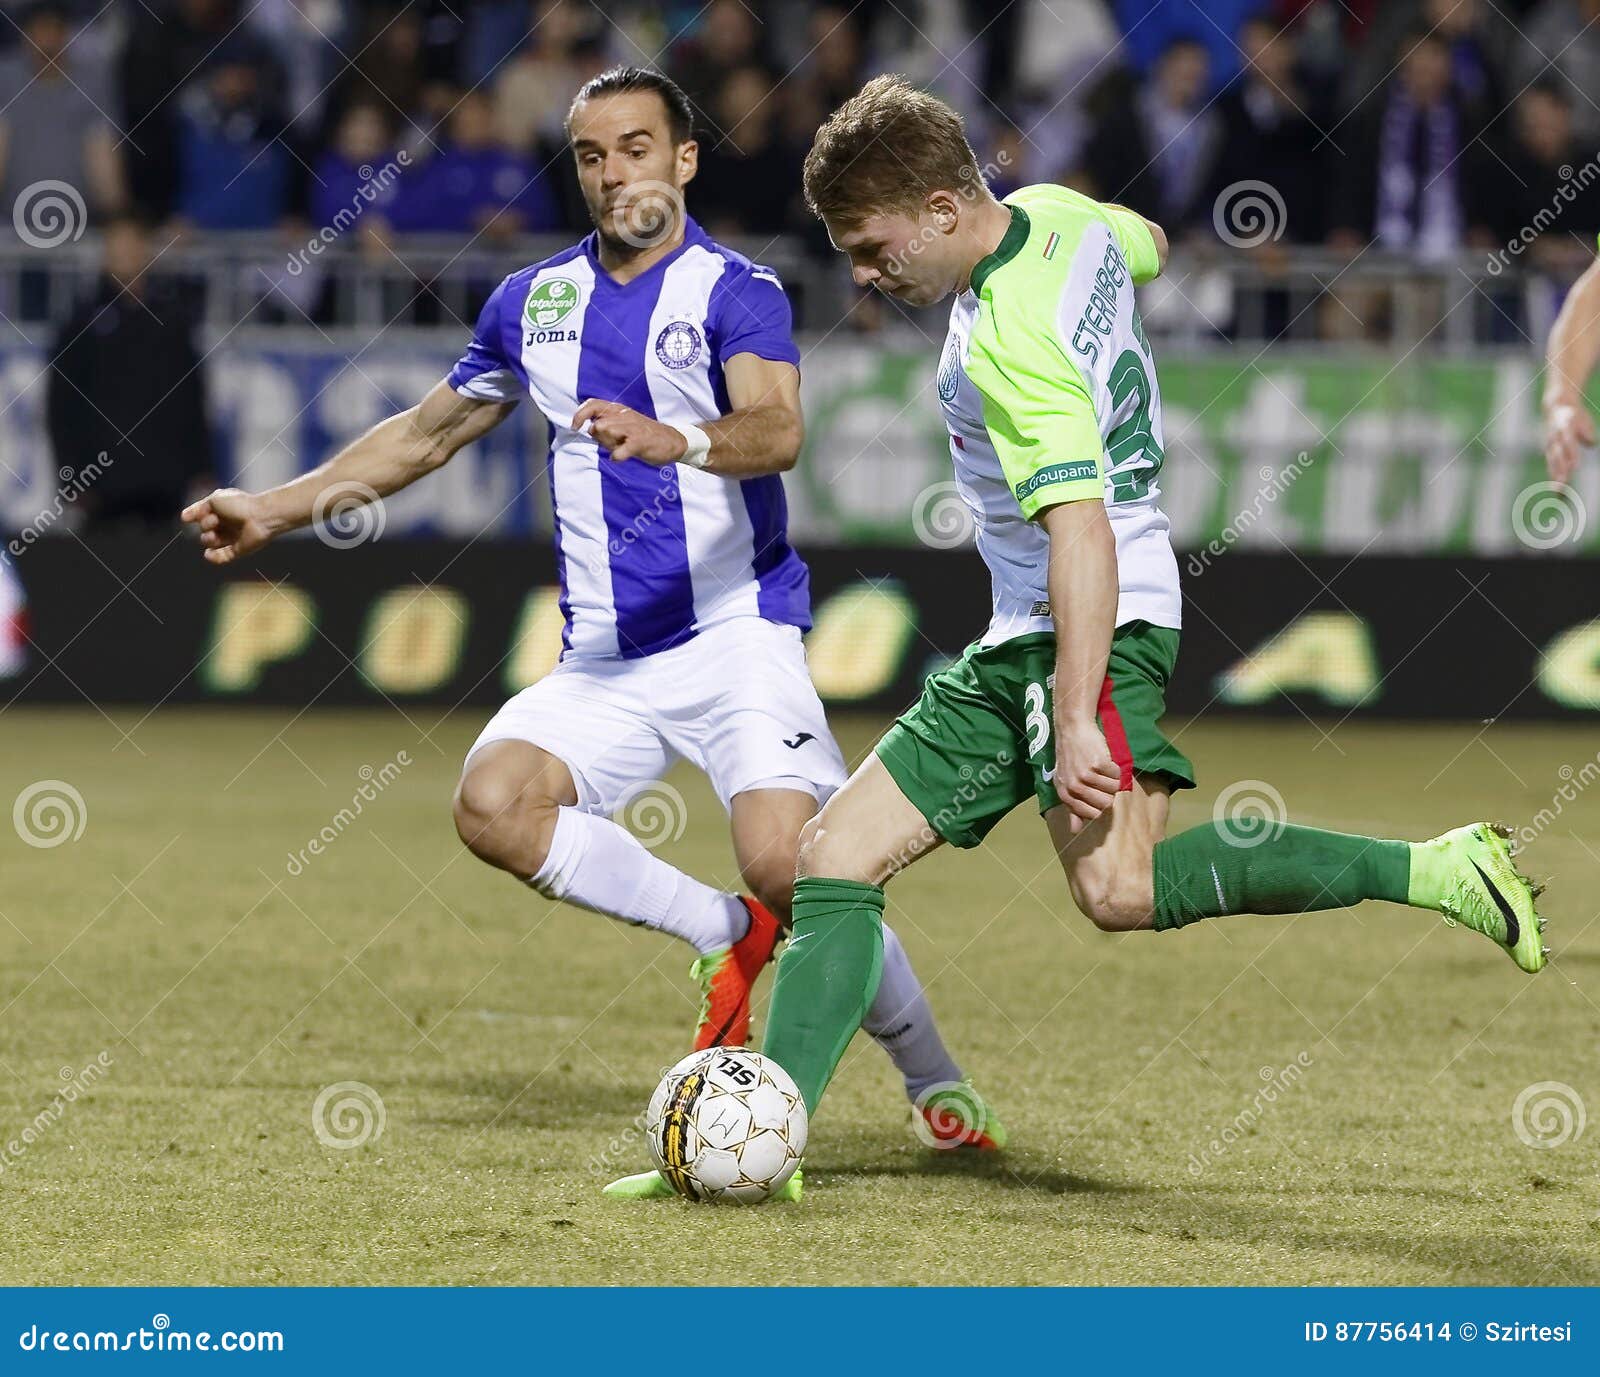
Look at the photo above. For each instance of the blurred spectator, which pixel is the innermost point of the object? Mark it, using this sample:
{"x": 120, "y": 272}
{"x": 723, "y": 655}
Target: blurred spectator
{"x": 1151, "y": 27}
{"x": 1403, "y": 170}
{"x": 1562, "y": 40}
{"x": 405, "y": 61}
{"x": 1155, "y": 149}
{"x": 235, "y": 168}
{"x": 164, "y": 50}
{"x": 474, "y": 183}
{"x": 359, "y": 175}
{"x": 126, "y": 391}
{"x": 55, "y": 123}
{"x": 749, "y": 182}
{"x": 533, "y": 90}
{"x": 1538, "y": 183}
{"x": 1272, "y": 131}
{"x": 1481, "y": 38}
{"x": 728, "y": 38}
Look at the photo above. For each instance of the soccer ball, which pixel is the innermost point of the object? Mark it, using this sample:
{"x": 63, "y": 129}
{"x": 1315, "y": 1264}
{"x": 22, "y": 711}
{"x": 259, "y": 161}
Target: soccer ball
{"x": 727, "y": 1124}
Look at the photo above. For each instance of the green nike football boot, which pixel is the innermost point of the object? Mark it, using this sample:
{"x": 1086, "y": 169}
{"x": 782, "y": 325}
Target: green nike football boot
{"x": 652, "y": 1185}
{"x": 1468, "y": 875}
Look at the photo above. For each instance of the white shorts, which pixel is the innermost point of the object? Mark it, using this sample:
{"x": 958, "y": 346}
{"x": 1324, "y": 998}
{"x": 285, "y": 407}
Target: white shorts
{"x": 736, "y": 702}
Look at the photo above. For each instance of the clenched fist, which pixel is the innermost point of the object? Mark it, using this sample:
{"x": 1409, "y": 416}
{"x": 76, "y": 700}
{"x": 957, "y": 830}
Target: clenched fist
{"x": 627, "y": 434}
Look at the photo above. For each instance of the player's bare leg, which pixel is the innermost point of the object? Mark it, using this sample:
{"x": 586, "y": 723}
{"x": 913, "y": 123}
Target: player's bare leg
{"x": 1125, "y": 875}
{"x": 1108, "y": 864}
{"x": 516, "y": 808}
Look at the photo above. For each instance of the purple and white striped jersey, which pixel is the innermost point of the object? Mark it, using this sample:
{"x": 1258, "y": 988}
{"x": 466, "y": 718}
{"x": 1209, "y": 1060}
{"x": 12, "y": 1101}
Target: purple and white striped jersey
{"x": 648, "y": 556}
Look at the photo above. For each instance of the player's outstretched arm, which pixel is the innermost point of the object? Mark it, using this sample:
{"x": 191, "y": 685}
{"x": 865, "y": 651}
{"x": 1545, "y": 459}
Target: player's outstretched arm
{"x": 392, "y": 454}
{"x": 1083, "y": 604}
{"x": 762, "y": 433}
{"x": 1570, "y": 358}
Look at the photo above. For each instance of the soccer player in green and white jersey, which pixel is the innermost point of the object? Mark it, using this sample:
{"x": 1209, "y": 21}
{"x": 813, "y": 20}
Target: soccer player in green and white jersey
{"x": 1048, "y": 390}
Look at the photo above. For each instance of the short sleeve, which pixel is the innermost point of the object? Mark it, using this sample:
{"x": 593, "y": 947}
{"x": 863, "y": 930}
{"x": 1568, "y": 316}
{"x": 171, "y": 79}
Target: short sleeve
{"x": 750, "y": 315}
{"x": 1037, "y": 409}
{"x": 483, "y": 372}
{"x": 1138, "y": 245}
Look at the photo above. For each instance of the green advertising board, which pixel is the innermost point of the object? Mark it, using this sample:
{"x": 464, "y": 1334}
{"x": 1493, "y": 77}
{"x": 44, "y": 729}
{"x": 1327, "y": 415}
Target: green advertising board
{"x": 1319, "y": 454}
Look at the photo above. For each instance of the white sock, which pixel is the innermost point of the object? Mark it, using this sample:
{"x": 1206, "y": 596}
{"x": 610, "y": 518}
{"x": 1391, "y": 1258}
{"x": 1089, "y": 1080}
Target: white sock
{"x": 901, "y": 1023}
{"x": 596, "y": 864}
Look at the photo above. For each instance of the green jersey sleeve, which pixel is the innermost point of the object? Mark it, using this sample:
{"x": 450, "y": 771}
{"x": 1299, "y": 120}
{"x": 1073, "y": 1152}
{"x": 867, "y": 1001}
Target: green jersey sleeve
{"x": 1138, "y": 245}
{"x": 1036, "y": 405}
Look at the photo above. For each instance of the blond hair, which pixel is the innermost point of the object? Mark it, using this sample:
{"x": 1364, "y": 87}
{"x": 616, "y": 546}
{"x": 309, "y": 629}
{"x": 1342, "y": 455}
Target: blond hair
{"x": 884, "y": 150}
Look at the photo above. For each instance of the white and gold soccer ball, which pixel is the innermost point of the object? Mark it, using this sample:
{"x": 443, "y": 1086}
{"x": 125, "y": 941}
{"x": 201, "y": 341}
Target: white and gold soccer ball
{"x": 727, "y": 1124}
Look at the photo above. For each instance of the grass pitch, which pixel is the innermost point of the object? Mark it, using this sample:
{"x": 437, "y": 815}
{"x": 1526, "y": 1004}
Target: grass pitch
{"x": 511, "y": 1042}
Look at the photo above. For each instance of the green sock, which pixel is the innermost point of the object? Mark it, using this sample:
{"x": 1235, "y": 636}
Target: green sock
{"x": 1217, "y": 869}
{"x": 827, "y": 976}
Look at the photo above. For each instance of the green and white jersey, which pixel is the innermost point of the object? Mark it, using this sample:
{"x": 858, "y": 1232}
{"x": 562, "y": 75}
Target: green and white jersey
{"x": 1049, "y": 392}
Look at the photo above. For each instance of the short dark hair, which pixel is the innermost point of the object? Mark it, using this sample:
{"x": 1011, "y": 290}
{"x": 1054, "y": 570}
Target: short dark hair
{"x": 622, "y": 80}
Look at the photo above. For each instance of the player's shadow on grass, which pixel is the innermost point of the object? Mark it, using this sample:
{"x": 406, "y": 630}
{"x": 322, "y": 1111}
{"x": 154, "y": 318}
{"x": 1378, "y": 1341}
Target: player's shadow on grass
{"x": 555, "y": 1099}
{"x": 1009, "y": 1169}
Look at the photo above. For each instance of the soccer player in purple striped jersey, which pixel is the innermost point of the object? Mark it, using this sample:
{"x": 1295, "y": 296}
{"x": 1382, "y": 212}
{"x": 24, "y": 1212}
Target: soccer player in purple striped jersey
{"x": 665, "y": 365}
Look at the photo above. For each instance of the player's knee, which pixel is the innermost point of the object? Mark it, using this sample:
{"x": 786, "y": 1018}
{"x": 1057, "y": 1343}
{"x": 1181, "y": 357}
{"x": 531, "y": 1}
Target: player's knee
{"x": 496, "y": 813}
{"x": 1111, "y": 902}
{"x": 827, "y": 851}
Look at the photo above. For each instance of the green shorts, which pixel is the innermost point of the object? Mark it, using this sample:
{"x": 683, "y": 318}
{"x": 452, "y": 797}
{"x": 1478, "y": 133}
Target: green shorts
{"x": 979, "y": 740}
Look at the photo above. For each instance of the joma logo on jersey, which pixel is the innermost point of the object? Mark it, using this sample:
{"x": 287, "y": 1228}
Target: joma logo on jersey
{"x": 550, "y": 302}
{"x": 551, "y": 337}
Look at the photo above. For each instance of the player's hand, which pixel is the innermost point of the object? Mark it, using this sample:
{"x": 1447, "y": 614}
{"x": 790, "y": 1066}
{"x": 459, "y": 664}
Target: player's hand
{"x": 231, "y": 524}
{"x": 627, "y": 434}
{"x": 1568, "y": 431}
{"x": 1086, "y": 777}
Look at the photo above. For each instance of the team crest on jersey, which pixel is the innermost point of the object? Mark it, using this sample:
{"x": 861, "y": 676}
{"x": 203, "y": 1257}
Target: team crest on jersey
{"x": 550, "y": 302}
{"x": 949, "y": 378}
{"x": 678, "y": 345}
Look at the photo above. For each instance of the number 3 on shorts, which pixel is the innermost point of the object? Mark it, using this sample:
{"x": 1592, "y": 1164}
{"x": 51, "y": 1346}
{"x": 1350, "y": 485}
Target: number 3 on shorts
{"x": 1035, "y": 699}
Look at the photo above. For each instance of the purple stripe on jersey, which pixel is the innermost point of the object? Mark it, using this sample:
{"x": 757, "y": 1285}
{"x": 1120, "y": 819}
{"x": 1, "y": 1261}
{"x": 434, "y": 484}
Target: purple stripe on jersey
{"x": 783, "y": 583}
{"x": 651, "y": 586}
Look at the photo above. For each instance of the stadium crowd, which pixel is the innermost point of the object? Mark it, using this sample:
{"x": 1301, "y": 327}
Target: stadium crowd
{"x": 1423, "y": 126}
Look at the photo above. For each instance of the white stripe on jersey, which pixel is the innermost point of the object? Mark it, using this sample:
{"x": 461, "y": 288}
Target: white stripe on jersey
{"x": 716, "y": 525}
{"x": 552, "y": 369}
